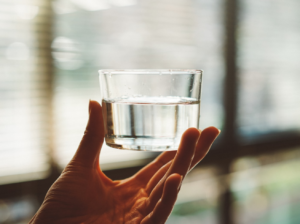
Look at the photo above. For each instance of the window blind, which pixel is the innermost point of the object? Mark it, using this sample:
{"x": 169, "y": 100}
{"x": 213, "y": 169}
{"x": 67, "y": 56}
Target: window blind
{"x": 50, "y": 52}
{"x": 93, "y": 35}
{"x": 24, "y": 132}
{"x": 269, "y": 67}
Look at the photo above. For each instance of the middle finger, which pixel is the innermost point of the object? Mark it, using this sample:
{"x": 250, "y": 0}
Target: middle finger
{"x": 180, "y": 164}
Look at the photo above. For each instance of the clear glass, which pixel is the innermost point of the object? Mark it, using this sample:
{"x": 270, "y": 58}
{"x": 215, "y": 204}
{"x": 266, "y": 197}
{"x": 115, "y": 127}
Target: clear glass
{"x": 149, "y": 110}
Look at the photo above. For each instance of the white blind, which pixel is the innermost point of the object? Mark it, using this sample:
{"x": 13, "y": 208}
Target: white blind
{"x": 269, "y": 52}
{"x": 92, "y": 35}
{"x": 81, "y": 37}
{"x": 23, "y": 128}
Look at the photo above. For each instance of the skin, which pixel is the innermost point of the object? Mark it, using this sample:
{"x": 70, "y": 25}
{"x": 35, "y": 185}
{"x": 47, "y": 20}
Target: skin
{"x": 83, "y": 194}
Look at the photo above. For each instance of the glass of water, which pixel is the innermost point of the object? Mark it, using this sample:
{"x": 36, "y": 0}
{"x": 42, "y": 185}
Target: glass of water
{"x": 149, "y": 109}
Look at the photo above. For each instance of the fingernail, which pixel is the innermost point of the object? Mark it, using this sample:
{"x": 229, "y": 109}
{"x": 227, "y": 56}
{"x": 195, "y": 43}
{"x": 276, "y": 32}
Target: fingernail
{"x": 200, "y": 131}
{"x": 219, "y": 131}
{"x": 180, "y": 183}
{"x": 90, "y": 106}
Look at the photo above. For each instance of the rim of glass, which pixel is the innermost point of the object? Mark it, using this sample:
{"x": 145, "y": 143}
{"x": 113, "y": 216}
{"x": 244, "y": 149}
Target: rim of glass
{"x": 166, "y": 71}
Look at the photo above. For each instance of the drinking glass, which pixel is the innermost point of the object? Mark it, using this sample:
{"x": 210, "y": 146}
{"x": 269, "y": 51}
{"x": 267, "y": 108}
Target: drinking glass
{"x": 149, "y": 109}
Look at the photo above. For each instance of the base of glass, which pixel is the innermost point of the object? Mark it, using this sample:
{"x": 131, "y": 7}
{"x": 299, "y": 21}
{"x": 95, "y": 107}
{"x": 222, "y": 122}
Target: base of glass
{"x": 143, "y": 143}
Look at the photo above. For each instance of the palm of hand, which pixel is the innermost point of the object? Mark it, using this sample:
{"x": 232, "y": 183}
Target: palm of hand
{"x": 89, "y": 200}
{"x": 86, "y": 195}
{"x": 83, "y": 194}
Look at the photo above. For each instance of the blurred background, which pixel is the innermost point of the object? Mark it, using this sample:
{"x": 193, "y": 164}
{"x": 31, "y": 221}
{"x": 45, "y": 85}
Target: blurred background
{"x": 50, "y": 51}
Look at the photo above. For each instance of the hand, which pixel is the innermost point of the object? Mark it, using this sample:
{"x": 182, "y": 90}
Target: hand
{"x": 83, "y": 194}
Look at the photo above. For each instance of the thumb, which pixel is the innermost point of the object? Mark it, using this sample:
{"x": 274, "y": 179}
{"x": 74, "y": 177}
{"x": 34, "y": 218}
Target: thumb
{"x": 89, "y": 149}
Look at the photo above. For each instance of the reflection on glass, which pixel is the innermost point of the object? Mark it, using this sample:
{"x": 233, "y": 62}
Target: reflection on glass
{"x": 146, "y": 34}
{"x": 266, "y": 188}
{"x": 269, "y": 52}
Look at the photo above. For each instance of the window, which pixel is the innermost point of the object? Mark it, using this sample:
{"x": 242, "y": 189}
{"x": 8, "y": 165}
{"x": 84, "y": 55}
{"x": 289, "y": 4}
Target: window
{"x": 198, "y": 198}
{"x": 51, "y": 50}
{"x": 266, "y": 188}
{"x": 45, "y": 116}
{"x": 138, "y": 34}
{"x": 268, "y": 61}
{"x": 24, "y": 136}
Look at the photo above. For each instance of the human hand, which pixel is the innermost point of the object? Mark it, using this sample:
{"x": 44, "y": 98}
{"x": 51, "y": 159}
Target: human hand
{"x": 83, "y": 194}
